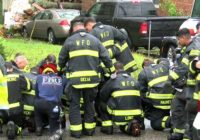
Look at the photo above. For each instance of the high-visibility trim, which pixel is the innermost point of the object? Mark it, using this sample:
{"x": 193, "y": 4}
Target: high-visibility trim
{"x": 32, "y": 92}
{"x": 198, "y": 77}
{"x": 90, "y": 125}
{"x": 124, "y": 46}
{"x": 110, "y": 53}
{"x": 191, "y": 82}
{"x": 121, "y": 123}
{"x": 124, "y": 112}
{"x": 47, "y": 70}
{"x": 108, "y": 43}
{"x": 185, "y": 139}
{"x": 76, "y": 127}
{"x": 194, "y": 53}
{"x": 107, "y": 123}
{"x": 83, "y": 53}
{"x": 196, "y": 96}
{"x": 28, "y": 83}
{"x": 28, "y": 107}
{"x": 162, "y": 107}
{"x": 160, "y": 96}
{"x": 76, "y": 74}
{"x": 19, "y": 130}
{"x": 191, "y": 69}
{"x": 157, "y": 80}
{"x": 176, "y": 130}
{"x": 81, "y": 100}
{"x": 129, "y": 65}
{"x": 185, "y": 61}
{"x": 112, "y": 69}
{"x": 164, "y": 121}
{"x": 174, "y": 75}
{"x": 126, "y": 93}
{"x": 86, "y": 85}
{"x": 14, "y": 105}
{"x": 12, "y": 75}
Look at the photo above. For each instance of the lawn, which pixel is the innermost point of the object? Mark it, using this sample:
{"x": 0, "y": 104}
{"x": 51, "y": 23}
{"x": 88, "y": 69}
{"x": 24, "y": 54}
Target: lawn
{"x": 36, "y": 50}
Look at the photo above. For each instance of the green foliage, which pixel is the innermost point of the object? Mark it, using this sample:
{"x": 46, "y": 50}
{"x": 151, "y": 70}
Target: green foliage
{"x": 2, "y": 48}
{"x": 170, "y": 7}
{"x": 66, "y": 5}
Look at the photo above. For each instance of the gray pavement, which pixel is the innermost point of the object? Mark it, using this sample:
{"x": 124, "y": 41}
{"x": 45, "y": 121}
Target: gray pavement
{"x": 148, "y": 134}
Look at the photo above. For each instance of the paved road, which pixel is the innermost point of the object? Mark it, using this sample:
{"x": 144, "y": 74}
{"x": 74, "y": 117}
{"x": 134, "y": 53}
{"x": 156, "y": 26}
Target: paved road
{"x": 148, "y": 134}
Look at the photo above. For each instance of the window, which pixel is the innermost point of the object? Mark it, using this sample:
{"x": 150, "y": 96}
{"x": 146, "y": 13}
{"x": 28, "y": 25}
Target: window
{"x": 38, "y": 16}
{"x": 107, "y": 9}
{"x": 129, "y": 10}
{"x": 196, "y": 9}
{"x": 95, "y": 10}
{"x": 47, "y": 15}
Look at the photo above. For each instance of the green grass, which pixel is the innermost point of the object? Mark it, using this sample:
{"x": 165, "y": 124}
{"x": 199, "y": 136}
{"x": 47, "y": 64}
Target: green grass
{"x": 37, "y": 50}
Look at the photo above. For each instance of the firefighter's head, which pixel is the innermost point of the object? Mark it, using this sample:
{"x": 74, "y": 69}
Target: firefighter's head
{"x": 198, "y": 28}
{"x": 77, "y": 26}
{"x": 183, "y": 37}
{"x": 89, "y": 23}
{"x": 9, "y": 67}
{"x": 146, "y": 63}
{"x": 21, "y": 61}
{"x": 118, "y": 66}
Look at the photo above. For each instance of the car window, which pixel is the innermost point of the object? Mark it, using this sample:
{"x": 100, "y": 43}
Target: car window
{"x": 38, "y": 16}
{"x": 129, "y": 10}
{"x": 196, "y": 9}
{"x": 107, "y": 9}
{"x": 68, "y": 14}
{"x": 95, "y": 10}
{"x": 148, "y": 9}
{"x": 47, "y": 15}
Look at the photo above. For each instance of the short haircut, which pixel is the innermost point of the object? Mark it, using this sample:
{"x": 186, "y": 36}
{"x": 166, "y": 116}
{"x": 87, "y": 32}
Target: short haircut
{"x": 8, "y": 65}
{"x": 18, "y": 54}
{"x": 51, "y": 58}
{"x": 183, "y": 32}
{"x": 89, "y": 19}
{"x": 77, "y": 23}
{"x": 118, "y": 66}
{"x": 198, "y": 26}
{"x": 147, "y": 62}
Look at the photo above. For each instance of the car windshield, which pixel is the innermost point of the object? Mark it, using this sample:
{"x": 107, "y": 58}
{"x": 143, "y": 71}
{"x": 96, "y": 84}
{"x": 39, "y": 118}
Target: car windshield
{"x": 68, "y": 14}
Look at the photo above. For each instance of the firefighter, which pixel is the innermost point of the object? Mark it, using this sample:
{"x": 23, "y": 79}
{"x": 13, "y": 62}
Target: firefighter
{"x": 4, "y": 105}
{"x": 19, "y": 63}
{"x": 82, "y": 52}
{"x": 156, "y": 93}
{"x": 121, "y": 103}
{"x": 17, "y": 83}
{"x": 48, "y": 91}
{"x": 183, "y": 105}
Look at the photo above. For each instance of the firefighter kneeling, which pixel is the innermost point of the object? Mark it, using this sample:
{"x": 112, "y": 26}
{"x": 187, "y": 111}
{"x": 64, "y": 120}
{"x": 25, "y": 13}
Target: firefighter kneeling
{"x": 121, "y": 103}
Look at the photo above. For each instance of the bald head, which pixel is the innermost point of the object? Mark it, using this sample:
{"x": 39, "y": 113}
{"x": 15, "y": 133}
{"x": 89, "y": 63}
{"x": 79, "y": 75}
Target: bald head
{"x": 21, "y": 61}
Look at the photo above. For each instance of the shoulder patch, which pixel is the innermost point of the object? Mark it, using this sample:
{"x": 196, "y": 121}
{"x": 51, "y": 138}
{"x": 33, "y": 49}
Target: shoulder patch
{"x": 101, "y": 26}
{"x": 113, "y": 76}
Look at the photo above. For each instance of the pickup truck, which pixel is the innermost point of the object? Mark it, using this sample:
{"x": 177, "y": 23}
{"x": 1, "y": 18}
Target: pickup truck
{"x": 136, "y": 17}
{"x": 169, "y": 43}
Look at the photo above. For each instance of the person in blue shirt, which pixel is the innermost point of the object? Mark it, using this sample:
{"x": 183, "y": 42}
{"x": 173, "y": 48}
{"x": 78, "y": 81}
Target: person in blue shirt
{"x": 48, "y": 91}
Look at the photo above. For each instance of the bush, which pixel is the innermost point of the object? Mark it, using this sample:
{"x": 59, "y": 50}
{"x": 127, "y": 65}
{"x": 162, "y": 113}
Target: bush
{"x": 170, "y": 7}
{"x": 2, "y": 48}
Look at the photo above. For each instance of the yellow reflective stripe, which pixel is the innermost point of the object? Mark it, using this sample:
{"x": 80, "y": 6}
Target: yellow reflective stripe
{"x": 124, "y": 112}
{"x": 124, "y": 46}
{"x": 185, "y": 61}
{"x": 28, "y": 107}
{"x": 89, "y": 125}
{"x": 107, "y": 123}
{"x": 85, "y": 85}
{"x": 191, "y": 69}
{"x": 198, "y": 77}
{"x": 157, "y": 80}
{"x": 108, "y": 43}
{"x": 82, "y": 74}
{"x": 110, "y": 53}
{"x": 112, "y": 69}
{"x": 185, "y": 139}
{"x": 28, "y": 83}
{"x": 176, "y": 130}
{"x": 195, "y": 96}
{"x": 81, "y": 100}
{"x": 162, "y": 107}
{"x": 121, "y": 123}
{"x": 191, "y": 82}
{"x": 83, "y": 53}
{"x": 126, "y": 93}
{"x": 194, "y": 53}
{"x": 130, "y": 64}
{"x": 160, "y": 96}
{"x": 47, "y": 70}
{"x": 32, "y": 92}
{"x": 14, "y": 105}
{"x": 164, "y": 121}
{"x": 174, "y": 75}
{"x": 76, "y": 127}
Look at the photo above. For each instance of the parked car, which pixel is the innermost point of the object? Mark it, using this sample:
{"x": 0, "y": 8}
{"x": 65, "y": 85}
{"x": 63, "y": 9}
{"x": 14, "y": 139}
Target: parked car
{"x": 135, "y": 17}
{"x": 169, "y": 43}
{"x": 50, "y": 24}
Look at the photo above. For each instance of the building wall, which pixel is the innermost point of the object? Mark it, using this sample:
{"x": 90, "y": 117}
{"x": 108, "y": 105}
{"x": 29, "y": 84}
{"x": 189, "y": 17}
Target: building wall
{"x": 86, "y": 4}
{"x": 184, "y": 5}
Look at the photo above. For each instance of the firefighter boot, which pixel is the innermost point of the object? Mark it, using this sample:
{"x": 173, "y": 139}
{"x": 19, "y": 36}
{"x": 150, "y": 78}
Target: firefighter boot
{"x": 107, "y": 130}
{"x": 175, "y": 136}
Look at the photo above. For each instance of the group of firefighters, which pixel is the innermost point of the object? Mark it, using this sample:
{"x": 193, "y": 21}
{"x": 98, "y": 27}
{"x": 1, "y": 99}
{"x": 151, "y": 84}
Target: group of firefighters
{"x": 96, "y": 82}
